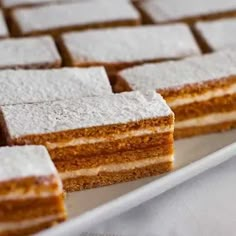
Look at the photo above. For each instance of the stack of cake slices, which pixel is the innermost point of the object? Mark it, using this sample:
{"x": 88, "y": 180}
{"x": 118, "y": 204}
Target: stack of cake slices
{"x": 201, "y": 90}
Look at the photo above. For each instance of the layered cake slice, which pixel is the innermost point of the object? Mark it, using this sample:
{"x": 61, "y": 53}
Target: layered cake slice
{"x": 216, "y": 35}
{"x": 3, "y": 26}
{"x": 189, "y": 11}
{"x": 29, "y": 53}
{"x": 31, "y": 194}
{"x": 31, "y": 86}
{"x": 98, "y": 141}
{"x": 58, "y": 18}
{"x": 122, "y": 47}
{"x": 201, "y": 90}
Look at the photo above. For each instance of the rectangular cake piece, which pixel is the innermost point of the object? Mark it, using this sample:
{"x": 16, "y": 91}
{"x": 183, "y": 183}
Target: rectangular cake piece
{"x": 31, "y": 194}
{"x": 200, "y": 90}
{"x": 32, "y": 86}
{"x": 216, "y": 35}
{"x": 123, "y": 47}
{"x": 58, "y": 18}
{"x": 98, "y": 141}
{"x": 29, "y": 53}
{"x": 189, "y": 11}
{"x": 3, "y": 26}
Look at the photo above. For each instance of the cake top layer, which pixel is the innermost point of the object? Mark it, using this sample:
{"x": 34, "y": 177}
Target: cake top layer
{"x": 25, "y": 161}
{"x": 170, "y": 75}
{"x": 128, "y": 44}
{"x": 218, "y": 34}
{"x": 3, "y": 26}
{"x": 27, "y": 51}
{"x": 169, "y": 10}
{"x": 30, "y": 86}
{"x": 74, "y": 14}
{"x": 42, "y": 118}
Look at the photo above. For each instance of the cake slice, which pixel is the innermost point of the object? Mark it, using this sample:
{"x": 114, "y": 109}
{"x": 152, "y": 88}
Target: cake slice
{"x": 98, "y": 141}
{"x": 123, "y": 47}
{"x": 200, "y": 90}
{"x": 31, "y": 194}
{"x": 216, "y": 35}
{"x": 3, "y": 26}
{"x": 29, "y": 53}
{"x": 32, "y": 86}
{"x": 189, "y": 11}
{"x": 58, "y": 18}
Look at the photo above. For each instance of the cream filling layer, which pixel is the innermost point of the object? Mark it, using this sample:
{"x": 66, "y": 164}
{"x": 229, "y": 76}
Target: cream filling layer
{"x": 133, "y": 133}
{"x": 212, "y": 119}
{"x": 19, "y": 195}
{"x": 28, "y": 223}
{"x": 116, "y": 167}
{"x": 203, "y": 97}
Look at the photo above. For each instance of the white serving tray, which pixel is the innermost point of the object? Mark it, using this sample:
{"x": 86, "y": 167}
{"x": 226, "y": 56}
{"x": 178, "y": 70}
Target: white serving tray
{"x": 193, "y": 156}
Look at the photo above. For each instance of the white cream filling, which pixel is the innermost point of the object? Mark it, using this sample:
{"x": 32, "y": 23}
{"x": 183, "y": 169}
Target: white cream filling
{"x": 8, "y": 226}
{"x": 215, "y": 118}
{"x": 203, "y": 97}
{"x": 133, "y": 133}
{"x": 116, "y": 167}
{"x": 19, "y": 195}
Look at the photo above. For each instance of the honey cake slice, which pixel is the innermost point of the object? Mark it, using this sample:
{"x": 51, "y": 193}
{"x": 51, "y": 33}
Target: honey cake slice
{"x": 31, "y": 193}
{"x": 3, "y": 26}
{"x": 216, "y": 35}
{"x": 201, "y": 90}
{"x": 54, "y": 19}
{"x": 32, "y": 86}
{"x": 189, "y": 11}
{"x": 29, "y": 53}
{"x": 98, "y": 141}
{"x": 125, "y": 46}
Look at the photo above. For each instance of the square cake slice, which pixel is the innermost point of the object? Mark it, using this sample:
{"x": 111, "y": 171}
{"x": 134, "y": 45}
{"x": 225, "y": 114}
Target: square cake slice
{"x": 98, "y": 141}
{"x": 31, "y": 194}
{"x": 201, "y": 90}
{"x": 216, "y": 35}
{"x": 3, "y": 26}
{"x": 29, "y": 53}
{"x": 58, "y": 18}
{"x": 189, "y": 11}
{"x": 125, "y": 46}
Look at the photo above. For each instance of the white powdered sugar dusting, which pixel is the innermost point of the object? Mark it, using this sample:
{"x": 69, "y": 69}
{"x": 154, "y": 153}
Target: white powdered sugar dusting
{"x": 30, "y": 86}
{"x": 74, "y": 14}
{"x": 174, "y": 74}
{"x": 218, "y": 34}
{"x": 42, "y": 118}
{"x": 168, "y": 10}
{"x": 27, "y": 51}
{"x": 128, "y": 44}
{"x": 25, "y": 161}
{"x": 3, "y": 26}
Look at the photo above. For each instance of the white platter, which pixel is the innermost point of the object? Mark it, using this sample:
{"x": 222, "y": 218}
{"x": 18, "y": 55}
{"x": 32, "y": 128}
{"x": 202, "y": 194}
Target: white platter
{"x": 193, "y": 156}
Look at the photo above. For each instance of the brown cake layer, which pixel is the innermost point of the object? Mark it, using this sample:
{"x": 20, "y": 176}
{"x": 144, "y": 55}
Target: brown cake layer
{"x": 27, "y": 209}
{"x": 44, "y": 184}
{"x": 16, "y": 30}
{"x": 103, "y": 179}
{"x": 113, "y": 158}
{"x": 131, "y": 143}
{"x": 94, "y": 132}
{"x": 226, "y": 103}
{"x": 33, "y": 229}
{"x": 192, "y": 131}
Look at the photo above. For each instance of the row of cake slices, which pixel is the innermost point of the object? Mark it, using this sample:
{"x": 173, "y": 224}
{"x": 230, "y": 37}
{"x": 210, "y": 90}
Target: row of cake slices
{"x": 51, "y": 16}
{"x": 116, "y": 48}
